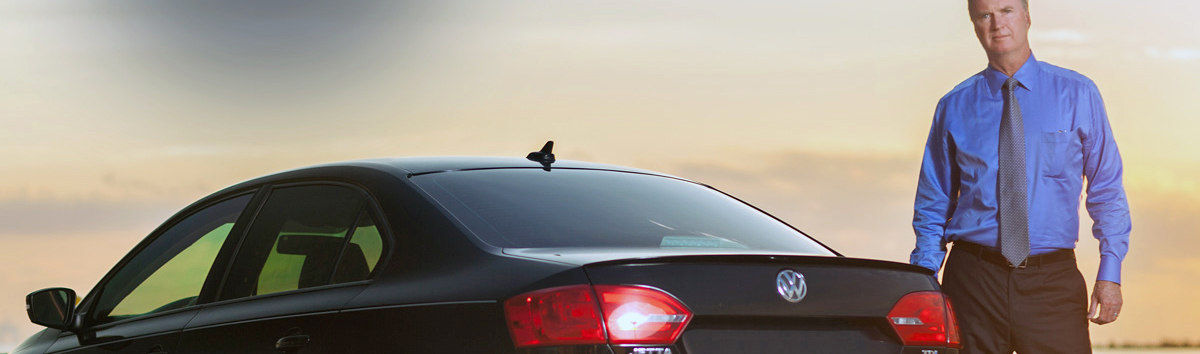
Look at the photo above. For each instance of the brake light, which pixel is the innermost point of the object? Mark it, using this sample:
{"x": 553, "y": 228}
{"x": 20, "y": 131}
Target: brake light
{"x": 573, "y": 315}
{"x": 639, "y": 315}
{"x": 925, "y": 319}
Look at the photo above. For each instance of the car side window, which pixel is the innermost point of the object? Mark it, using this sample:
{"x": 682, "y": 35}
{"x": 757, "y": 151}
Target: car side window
{"x": 169, "y": 272}
{"x": 362, "y": 253}
{"x": 306, "y": 236}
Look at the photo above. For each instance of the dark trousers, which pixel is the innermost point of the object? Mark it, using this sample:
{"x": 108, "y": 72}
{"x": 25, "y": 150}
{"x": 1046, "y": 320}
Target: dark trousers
{"x": 1035, "y": 310}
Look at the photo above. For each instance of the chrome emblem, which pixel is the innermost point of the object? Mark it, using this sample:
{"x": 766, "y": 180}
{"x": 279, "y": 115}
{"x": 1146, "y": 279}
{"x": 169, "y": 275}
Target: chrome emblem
{"x": 791, "y": 285}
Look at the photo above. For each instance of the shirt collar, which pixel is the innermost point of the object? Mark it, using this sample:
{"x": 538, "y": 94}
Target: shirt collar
{"x": 1026, "y": 75}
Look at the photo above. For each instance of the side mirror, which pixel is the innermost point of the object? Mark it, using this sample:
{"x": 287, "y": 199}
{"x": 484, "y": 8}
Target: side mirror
{"x": 51, "y": 307}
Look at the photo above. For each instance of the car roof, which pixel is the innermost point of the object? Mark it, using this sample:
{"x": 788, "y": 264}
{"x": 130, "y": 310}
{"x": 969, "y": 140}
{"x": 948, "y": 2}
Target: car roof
{"x": 405, "y": 167}
{"x": 426, "y": 165}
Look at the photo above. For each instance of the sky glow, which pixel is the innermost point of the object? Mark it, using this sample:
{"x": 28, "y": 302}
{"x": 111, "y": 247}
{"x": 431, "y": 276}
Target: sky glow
{"x": 116, "y": 114}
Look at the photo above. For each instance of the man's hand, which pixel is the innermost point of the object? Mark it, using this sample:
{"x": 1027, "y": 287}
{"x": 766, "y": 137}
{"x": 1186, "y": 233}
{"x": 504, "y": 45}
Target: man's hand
{"x": 1106, "y": 302}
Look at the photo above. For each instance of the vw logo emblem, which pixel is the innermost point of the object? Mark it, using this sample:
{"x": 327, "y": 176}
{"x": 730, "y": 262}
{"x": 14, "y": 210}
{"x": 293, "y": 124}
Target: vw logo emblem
{"x": 791, "y": 285}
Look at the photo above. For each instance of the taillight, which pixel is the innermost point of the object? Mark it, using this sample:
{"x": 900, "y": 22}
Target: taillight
{"x": 572, "y": 315}
{"x": 555, "y": 316}
{"x": 952, "y": 326}
{"x": 637, "y": 315}
{"x": 925, "y": 319}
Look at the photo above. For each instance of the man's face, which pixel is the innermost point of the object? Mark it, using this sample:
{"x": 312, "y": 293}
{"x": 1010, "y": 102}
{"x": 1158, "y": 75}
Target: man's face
{"x": 1001, "y": 25}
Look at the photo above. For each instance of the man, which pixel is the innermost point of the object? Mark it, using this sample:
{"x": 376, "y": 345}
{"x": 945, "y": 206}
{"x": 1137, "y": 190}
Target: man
{"x": 1001, "y": 177}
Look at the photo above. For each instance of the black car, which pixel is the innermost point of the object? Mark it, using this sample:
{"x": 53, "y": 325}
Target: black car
{"x": 489, "y": 255}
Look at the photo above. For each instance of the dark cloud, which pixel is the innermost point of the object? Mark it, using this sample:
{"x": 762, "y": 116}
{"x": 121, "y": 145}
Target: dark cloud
{"x": 253, "y": 48}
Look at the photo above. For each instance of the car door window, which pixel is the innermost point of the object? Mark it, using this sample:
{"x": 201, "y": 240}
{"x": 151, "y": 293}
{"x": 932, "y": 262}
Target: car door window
{"x": 170, "y": 272}
{"x": 362, "y": 253}
{"x": 302, "y": 238}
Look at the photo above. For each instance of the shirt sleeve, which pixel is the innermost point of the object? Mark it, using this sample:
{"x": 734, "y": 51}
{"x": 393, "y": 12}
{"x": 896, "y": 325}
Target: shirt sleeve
{"x": 1106, "y": 203}
{"x": 937, "y": 190}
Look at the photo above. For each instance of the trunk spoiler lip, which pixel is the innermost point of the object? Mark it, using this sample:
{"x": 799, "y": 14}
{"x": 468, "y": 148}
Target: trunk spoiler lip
{"x": 603, "y": 257}
{"x": 782, "y": 260}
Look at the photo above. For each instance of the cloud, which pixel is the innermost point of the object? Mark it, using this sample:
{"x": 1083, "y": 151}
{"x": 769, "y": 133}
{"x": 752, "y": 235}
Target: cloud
{"x": 1179, "y": 54}
{"x": 1063, "y": 43}
{"x": 65, "y": 217}
{"x": 1060, "y": 36}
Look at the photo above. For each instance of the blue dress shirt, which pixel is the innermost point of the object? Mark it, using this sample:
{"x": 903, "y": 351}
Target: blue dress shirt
{"x": 1067, "y": 138}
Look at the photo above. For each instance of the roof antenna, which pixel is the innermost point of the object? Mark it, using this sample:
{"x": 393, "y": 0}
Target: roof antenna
{"x": 545, "y": 157}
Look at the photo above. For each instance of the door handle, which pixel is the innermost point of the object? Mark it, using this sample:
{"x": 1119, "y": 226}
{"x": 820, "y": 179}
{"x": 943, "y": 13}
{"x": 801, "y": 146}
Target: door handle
{"x": 292, "y": 342}
{"x": 157, "y": 349}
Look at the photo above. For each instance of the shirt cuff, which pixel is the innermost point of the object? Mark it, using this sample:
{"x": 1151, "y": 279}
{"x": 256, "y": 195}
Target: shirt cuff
{"x": 929, "y": 261}
{"x": 1110, "y": 270}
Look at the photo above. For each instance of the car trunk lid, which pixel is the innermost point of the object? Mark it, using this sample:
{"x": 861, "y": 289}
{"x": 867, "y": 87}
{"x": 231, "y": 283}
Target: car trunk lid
{"x": 747, "y": 285}
{"x": 739, "y": 304}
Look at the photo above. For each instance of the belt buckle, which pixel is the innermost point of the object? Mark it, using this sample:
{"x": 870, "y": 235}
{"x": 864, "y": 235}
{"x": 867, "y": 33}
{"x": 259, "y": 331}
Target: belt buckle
{"x": 1024, "y": 263}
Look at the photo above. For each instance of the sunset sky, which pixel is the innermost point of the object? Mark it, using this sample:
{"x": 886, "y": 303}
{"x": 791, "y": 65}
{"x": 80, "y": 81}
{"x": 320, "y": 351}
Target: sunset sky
{"x": 115, "y": 114}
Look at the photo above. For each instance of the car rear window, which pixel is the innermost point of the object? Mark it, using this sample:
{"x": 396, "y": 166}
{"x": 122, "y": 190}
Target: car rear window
{"x": 532, "y": 208}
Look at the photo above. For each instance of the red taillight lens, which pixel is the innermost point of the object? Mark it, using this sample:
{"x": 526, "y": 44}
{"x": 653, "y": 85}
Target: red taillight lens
{"x": 925, "y": 319}
{"x": 555, "y": 316}
{"x": 952, "y": 326}
{"x": 639, "y": 315}
{"x": 572, "y": 316}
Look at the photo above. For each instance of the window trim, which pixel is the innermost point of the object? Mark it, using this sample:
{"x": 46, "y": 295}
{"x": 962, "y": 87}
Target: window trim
{"x": 222, "y": 302}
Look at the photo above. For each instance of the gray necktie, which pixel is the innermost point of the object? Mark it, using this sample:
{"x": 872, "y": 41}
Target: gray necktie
{"x": 1014, "y": 209}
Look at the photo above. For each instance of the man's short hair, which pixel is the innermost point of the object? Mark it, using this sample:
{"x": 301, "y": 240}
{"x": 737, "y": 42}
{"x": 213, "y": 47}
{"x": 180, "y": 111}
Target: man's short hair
{"x": 1023, "y": 2}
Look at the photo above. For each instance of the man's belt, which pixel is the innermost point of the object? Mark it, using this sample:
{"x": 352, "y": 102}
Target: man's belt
{"x": 994, "y": 256}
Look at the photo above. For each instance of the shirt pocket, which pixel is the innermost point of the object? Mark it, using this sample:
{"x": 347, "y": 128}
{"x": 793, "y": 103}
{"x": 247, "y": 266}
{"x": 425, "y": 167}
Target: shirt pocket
{"x": 1054, "y": 152}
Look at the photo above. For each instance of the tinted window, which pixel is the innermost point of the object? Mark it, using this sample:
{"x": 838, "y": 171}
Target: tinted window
{"x": 528, "y": 208}
{"x": 362, "y": 253}
{"x": 302, "y": 238}
{"x": 169, "y": 273}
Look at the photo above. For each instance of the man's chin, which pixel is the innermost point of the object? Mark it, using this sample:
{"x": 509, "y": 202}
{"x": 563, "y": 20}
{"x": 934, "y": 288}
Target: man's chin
{"x": 1001, "y": 49}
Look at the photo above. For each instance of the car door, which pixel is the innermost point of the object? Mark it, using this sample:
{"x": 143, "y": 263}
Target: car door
{"x": 310, "y": 249}
{"x": 143, "y": 304}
